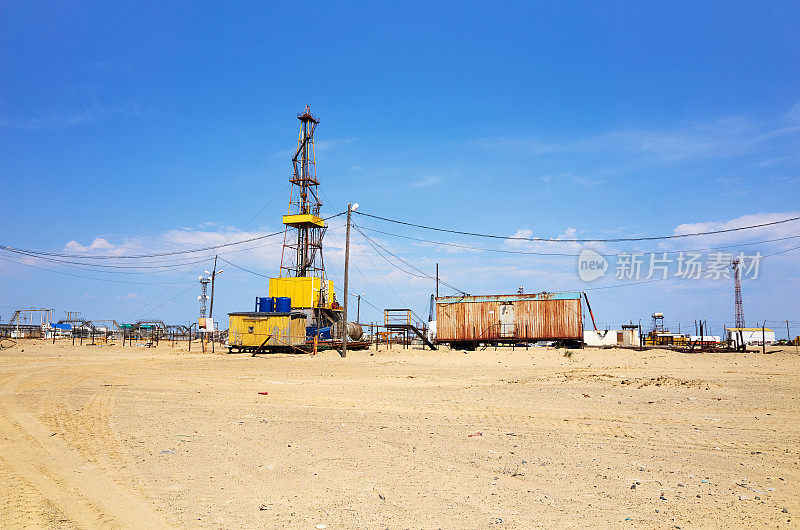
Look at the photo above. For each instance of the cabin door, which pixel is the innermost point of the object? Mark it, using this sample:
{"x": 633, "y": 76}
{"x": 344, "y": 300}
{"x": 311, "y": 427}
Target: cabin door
{"x": 507, "y": 320}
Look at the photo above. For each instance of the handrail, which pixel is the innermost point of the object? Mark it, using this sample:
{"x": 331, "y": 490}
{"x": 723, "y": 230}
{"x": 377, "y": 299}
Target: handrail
{"x": 403, "y": 317}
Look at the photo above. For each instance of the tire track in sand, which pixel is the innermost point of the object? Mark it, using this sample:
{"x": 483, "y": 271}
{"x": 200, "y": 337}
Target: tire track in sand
{"x": 49, "y": 472}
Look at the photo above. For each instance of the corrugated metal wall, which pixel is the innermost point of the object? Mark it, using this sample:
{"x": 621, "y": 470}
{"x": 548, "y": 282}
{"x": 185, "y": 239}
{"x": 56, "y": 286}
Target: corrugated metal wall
{"x": 250, "y": 331}
{"x": 535, "y": 317}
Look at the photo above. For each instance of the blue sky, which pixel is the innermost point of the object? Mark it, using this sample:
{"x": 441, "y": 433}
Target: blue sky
{"x": 166, "y": 125}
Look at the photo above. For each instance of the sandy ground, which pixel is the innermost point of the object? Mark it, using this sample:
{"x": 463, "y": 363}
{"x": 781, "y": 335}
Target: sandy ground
{"x": 139, "y": 437}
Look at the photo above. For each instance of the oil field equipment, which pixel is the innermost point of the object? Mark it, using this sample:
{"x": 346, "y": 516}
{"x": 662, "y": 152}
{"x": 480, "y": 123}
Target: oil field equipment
{"x": 301, "y": 295}
{"x": 301, "y": 276}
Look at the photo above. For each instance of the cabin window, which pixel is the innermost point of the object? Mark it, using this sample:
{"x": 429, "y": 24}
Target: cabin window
{"x": 249, "y": 329}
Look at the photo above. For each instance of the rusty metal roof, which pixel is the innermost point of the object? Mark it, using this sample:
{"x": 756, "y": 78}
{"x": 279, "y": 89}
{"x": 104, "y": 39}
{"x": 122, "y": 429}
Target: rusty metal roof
{"x": 508, "y": 297}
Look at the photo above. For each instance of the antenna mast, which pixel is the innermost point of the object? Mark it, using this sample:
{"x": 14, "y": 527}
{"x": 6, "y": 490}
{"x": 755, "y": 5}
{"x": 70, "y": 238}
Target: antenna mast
{"x": 737, "y": 293}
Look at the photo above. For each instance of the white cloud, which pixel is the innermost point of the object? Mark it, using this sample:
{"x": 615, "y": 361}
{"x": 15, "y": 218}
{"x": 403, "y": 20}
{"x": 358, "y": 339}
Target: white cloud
{"x": 66, "y": 118}
{"x": 766, "y": 232}
{"x": 131, "y": 296}
{"x": 426, "y": 181}
{"x": 553, "y": 246}
{"x": 262, "y": 254}
{"x": 331, "y": 143}
{"x": 98, "y": 244}
{"x": 723, "y": 137}
{"x": 319, "y": 145}
{"x": 568, "y": 178}
{"x": 794, "y": 113}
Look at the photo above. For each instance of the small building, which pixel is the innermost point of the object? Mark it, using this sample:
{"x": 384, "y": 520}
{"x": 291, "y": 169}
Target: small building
{"x": 251, "y": 331}
{"x": 706, "y": 339}
{"x": 432, "y": 331}
{"x": 665, "y": 338}
{"x": 600, "y": 338}
{"x": 60, "y": 330}
{"x": 627, "y": 336}
{"x": 750, "y": 336}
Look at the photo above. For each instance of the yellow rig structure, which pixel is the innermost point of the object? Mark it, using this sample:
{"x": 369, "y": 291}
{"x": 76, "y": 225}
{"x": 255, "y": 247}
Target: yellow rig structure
{"x": 301, "y": 278}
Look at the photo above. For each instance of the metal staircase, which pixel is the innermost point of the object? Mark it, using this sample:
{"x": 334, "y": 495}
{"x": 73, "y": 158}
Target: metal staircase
{"x": 407, "y": 320}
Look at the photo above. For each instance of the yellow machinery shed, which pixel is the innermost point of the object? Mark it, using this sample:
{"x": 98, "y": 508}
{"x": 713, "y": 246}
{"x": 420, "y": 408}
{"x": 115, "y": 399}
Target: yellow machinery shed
{"x": 304, "y": 291}
{"x": 268, "y": 331}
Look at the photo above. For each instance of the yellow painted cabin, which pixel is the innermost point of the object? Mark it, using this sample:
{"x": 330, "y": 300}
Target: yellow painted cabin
{"x": 248, "y": 331}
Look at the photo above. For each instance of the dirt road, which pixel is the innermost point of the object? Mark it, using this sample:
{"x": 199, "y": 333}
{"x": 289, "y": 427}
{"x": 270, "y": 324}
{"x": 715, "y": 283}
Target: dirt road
{"x": 124, "y": 437}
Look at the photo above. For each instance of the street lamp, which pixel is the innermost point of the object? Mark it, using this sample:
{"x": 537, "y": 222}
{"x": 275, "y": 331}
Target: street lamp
{"x": 358, "y": 309}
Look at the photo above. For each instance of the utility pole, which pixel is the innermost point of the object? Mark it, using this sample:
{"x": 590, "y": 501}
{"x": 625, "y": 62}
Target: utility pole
{"x": 350, "y": 209}
{"x": 358, "y": 310}
{"x": 214, "y": 274}
{"x": 437, "y": 280}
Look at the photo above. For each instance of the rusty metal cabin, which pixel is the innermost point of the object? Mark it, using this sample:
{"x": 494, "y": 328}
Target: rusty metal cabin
{"x": 466, "y": 321}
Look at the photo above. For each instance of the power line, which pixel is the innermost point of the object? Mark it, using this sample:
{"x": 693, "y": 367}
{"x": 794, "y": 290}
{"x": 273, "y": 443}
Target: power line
{"x": 568, "y": 254}
{"x": 423, "y": 273}
{"x": 267, "y": 276}
{"x": 238, "y": 230}
{"x": 230, "y": 244}
{"x": 369, "y": 240}
{"x": 151, "y": 269}
{"x": 148, "y": 265}
{"x": 139, "y": 256}
{"x": 280, "y": 191}
{"x": 378, "y": 272}
{"x": 244, "y": 269}
{"x": 248, "y": 270}
{"x": 550, "y": 240}
{"x": 81, "y": 276}
{"x": 751, "y": 258}
{"x": 158, "y": 254}
{"x": 191, "y": 285}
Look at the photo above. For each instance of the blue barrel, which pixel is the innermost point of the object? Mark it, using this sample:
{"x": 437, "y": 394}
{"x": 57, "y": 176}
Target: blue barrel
{"x": 283, "y": 304}
{"x": 265, "y": 304}
{"x": 268, "y": 304}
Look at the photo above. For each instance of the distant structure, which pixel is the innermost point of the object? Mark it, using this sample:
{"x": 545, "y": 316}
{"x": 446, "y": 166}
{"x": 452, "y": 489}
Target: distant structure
{"x": 431, "y": 315}
{"x": 737, "y": 294}
{"x": 658, "y": 323}
{"x": 203, "y": 296}
{"x": 750, "y": 336}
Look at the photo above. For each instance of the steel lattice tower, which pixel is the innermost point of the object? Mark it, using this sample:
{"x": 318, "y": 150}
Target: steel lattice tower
{"x": 737, "y": 293}
{"x": 302, "y": 241}
{"x": 203, "y": 296}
